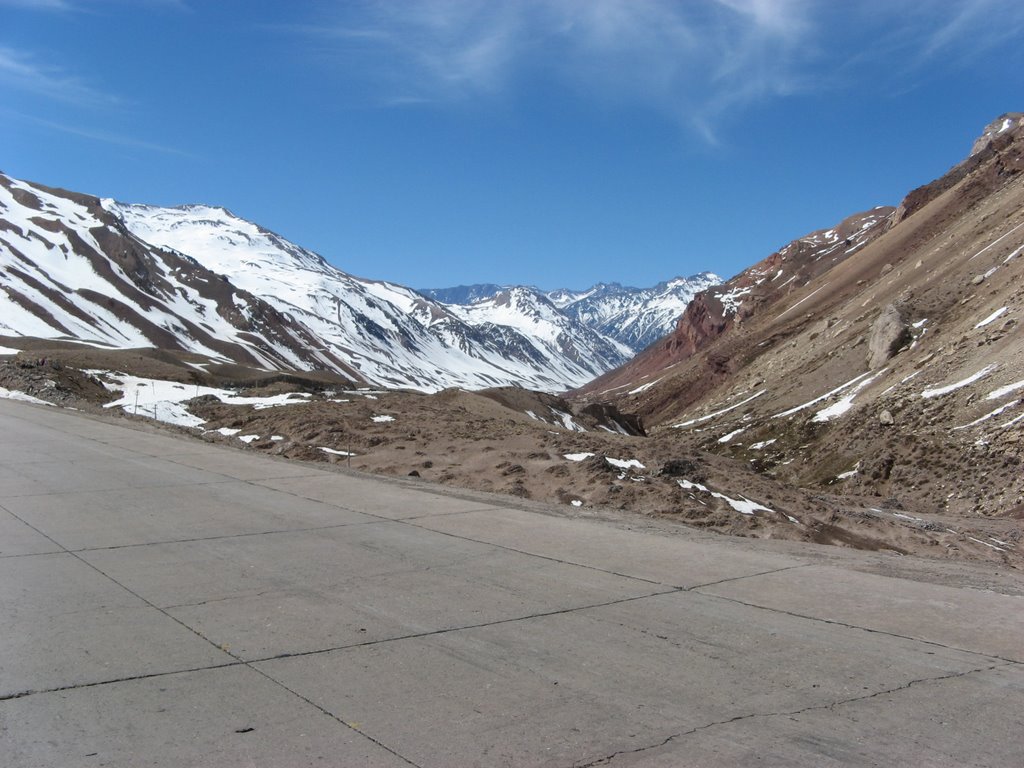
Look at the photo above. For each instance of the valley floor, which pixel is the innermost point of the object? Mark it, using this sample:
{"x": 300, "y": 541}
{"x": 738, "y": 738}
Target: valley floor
{"x": 522, "y": 444}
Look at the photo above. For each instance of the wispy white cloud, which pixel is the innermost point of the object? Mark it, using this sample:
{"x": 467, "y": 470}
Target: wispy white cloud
{"x": 37, "y": 5}
{"x": 91, "y": 5}
{"x": 105, "y": 137}
{"x": 980, "y": 24}
{"x": 21, "y": 70}
{"x": 699, "y": 61}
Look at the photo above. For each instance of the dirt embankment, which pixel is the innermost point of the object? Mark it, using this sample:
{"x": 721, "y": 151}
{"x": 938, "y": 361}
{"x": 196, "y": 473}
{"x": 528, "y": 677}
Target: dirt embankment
{"x": 540, "y": 447}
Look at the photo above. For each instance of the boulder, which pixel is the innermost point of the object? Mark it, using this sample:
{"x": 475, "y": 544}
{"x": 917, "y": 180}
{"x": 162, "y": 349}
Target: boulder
{"x": 889, "y": 333}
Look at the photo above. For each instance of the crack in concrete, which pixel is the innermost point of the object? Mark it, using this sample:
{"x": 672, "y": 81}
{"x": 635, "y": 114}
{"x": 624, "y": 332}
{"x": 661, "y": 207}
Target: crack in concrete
{"x": 465, "y": 627}
{"x": 238, "y": 661}
{"x": 549, "y": 558}
{"x": 607, "y": 759}
{"x": 748, "y": 576}
{"x": 226, "y": 481}
{"x": 115, "y": 680}
{"x": 872, "y": 630}
{"x": 220, "y": 536}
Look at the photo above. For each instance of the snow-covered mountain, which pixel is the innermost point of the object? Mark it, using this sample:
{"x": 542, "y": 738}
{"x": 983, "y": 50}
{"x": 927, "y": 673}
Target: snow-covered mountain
{"x": 463, "y": 294}
{"x": 201, "y": 279}
{"x": 70, "y": 270}
{"x": 634, "y": 317}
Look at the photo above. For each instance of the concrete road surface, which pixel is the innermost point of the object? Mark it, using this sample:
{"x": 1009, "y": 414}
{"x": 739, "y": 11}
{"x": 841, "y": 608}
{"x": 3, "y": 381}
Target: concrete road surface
{"x": 165, "y": 602}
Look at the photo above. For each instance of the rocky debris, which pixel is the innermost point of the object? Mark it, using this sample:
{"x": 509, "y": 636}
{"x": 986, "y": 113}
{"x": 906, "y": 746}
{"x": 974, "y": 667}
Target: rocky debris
{"x": 889, "y": 333}
{"x": 50, "y": 380}
{"x": 886, "y": 419}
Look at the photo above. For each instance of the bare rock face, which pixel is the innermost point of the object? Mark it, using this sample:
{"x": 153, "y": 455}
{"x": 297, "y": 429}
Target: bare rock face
{"x": 1004, "y": 123}
{"x": 889, "y": 333}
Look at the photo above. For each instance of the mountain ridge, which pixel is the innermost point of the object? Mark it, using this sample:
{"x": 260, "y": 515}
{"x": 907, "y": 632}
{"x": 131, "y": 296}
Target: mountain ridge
{"x": 210, "y": 282}
{"x": 634, "y": 317}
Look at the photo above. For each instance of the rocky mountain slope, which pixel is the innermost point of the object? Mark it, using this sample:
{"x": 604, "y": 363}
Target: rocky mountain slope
{"x": 393, "y": 335}
{"x": 199, "y": 279}
{"x": 890, "y": 367}
{"x": 71, "y": 270}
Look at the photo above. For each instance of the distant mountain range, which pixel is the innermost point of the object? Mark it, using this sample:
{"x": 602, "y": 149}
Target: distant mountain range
{"x": 200, "y": 279}
{"x": 635, "y": 317}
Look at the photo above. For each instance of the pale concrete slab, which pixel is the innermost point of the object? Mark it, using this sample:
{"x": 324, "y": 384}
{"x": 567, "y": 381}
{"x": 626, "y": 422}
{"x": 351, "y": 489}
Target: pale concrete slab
{"x": 665, "y": 560}
{"x": 365, "y": 495}
{"x": 67, "y": 625}
{"x": 131, "y": 516}
{"x": 104, "y": 474}
{"x": 973, "y": 620}
{"x": 298, "y": 592}
{"x": 17, "y": 538}
{"x": 17, "y": 450}
{"x": 574, "y": 688}
{"x": 234, "y": 463}
{"x": 919, "y": 725}
{"x": 221, "y": 718}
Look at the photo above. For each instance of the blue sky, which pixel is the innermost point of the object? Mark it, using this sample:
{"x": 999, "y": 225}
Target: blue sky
{"x": 550, "y": 142}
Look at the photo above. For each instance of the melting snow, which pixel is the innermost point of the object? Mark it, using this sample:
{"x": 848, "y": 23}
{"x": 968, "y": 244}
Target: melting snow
{"x": 567, "y": 420}
{"x": 762, "y": 444}
{"x": 990, "y": 414}
{"x": 817, "y": 400}
{"x": 578, "y": 456}
{"x": 730, "y": 301}
{"x": 9, "y": 351}
{"x": 382, "y": 419}
{"x": 805, "y": 298}
{"x": 731, "y": 435}
{"x": 643, "y": 387}
{"x": 719, "y": 413}
{"x": 986, "y": 543}
{"x": 996, "y": 241}
{"x": 1012, "y": 421}
{"x": 624, "y": 463}
{"x": 576, "y": 503}
{"x": 992, "y": 318}
{"x": 742, "y": 505}
{"x": 936, "y": 392}
{"x": 248, "y": 438}
{"x": 337, "y": 453}
{"x": 228, "y": 431}
{"x": 163, "y": 400}
{"x": 14, "y": 394}
{"x": 995, "y": 394}
{"x": 836, "y": 410}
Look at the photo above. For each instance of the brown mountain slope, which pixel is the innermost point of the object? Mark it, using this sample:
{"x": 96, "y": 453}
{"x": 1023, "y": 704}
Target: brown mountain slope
{"x": 803, "y": 389}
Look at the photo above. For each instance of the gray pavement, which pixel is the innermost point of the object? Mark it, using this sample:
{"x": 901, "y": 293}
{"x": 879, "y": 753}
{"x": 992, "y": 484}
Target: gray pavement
{"x": 172, "y": 603}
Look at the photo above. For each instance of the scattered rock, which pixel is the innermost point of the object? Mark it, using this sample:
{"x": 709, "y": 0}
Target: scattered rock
{"x": 885, "y": 419}
{"x": 978, "y": 280}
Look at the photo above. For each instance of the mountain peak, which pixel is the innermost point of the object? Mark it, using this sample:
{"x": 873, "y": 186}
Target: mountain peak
{"x": 1006, "y": 122}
